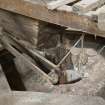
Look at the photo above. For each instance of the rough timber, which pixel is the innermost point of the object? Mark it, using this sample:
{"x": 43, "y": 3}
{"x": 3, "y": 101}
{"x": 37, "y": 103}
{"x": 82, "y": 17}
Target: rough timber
{"x": 61, "y": 16}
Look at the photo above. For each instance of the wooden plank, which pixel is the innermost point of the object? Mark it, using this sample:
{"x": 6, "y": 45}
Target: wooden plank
{"x": 55, "y": 4}
{"x": 87, "y": 5}
{"x": 64, "y": 18}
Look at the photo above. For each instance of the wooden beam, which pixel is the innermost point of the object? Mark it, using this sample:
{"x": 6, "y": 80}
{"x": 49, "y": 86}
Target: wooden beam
{"x": 87, "y": 5}
{"x": 55, "y": 4}
{"x": 63, "y": 18}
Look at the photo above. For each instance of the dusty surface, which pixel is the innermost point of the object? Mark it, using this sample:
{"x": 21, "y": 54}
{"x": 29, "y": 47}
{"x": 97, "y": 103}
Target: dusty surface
{"x": 29, "y": 98}
{"x": 94, "y": 82}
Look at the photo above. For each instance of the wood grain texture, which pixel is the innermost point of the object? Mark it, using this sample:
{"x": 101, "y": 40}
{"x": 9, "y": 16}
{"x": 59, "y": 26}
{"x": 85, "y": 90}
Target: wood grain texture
{"x": 62, "y": 18}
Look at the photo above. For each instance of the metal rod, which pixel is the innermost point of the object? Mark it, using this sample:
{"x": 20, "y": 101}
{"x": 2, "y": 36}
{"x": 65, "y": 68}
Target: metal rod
{"x": 69, "y": 51}
{"x": 43, "y": 59}
{"x": 82, "y": 51}
{"x": 101, "y": 49}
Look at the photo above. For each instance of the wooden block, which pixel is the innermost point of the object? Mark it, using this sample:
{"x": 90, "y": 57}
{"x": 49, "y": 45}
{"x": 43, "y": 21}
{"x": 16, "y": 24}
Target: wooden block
{"x": 101, "y": 19}
{"x": 87, "y": 5}
{"x": 55, "y": 4}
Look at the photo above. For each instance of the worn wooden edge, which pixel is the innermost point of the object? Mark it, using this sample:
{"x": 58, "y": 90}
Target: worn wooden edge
{"x": 59, "y": 17}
